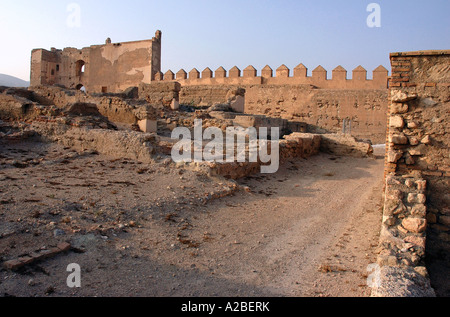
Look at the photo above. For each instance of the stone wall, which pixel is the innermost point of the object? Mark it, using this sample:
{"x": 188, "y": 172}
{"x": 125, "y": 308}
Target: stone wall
{"x": 417, "y": 165}
{"x": 294, "y": 95}
{"x": 403, "y": 239}
{"x": 116, "y": 144}
{"x": 124, "y": 108}
{"x": 115, "y": 107}
{"x": 293, "y": 146}
{"x": 166, "y": 94}
{"x": 345, "y": 145}
{"x": 282, "y": 76}
{"x": 326, "y": 109}
{"x": 14, "y": 107}
{"x": 203, "y": 96}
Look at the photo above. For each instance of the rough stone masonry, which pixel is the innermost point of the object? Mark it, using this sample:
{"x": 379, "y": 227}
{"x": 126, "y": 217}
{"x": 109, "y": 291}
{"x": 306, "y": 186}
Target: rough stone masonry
{"x": 416, "y": 222}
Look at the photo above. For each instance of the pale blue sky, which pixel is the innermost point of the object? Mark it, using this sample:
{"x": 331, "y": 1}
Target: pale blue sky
{"x": 213, "y": 33}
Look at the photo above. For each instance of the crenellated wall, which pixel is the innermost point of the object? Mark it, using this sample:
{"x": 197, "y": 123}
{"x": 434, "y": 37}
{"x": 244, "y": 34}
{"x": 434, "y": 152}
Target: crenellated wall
{"x": 323, "y": 103}
{"x": 282, "y": 76}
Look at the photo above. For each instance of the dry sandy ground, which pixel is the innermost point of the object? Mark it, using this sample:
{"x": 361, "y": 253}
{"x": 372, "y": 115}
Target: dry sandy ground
{"x": 136, "y": 230}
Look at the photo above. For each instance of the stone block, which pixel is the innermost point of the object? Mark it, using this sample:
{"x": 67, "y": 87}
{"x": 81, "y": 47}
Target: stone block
{"x": 414, "y": 141}
{"x": 414, "y": 225}
{"x": 394, "y": 194}
{"x": 26, "y": 260}
{"x": 418, "y": 241}
{"x": 399, "y": 139}
{"x": 426, "y": 140}
{"x": 392, "y": 180}
{"x": 45, "y": 254}
{"x": 13, "y": 264}
{"x": 64, "y": 246}
{"x": 238, "y": 104}
{"x": 399, "y": 96}
{"x": 409, "y": 160}
{"x": 419, "y": 210}
{"x": 387, "y": 261}
{"x": 397, "y": 122}
{"x": 418, "y": 150}
{"x": 175, "y": 105}
{"x": 390, "y": 221}
{"x": 148, "y": 126}
{"x": 421, "y": 185}
{"x": 399, "y": 108}
{"x": 412, "y": 125}
{"x": 417, "y": 198}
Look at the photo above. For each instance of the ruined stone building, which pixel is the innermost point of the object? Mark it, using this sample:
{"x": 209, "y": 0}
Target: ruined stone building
{"x": 112, "y": 67}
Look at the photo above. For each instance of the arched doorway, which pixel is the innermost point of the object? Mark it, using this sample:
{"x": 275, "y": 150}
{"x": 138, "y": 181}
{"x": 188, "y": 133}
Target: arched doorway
{"x": 81, "y": 87}
{"x": 80, "y": 67}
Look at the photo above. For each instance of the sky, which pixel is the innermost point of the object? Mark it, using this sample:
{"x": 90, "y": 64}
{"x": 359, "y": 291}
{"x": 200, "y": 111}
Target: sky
{"x": 213, "y": 33}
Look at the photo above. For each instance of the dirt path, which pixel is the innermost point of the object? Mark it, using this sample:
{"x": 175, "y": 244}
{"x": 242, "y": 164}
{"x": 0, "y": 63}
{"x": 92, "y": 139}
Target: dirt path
{"x": 309, "y": 230}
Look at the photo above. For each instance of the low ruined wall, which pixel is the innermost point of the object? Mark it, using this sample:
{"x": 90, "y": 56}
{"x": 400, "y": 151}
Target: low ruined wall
{"x": 293, "y": 146}
{"x": 418, "y": 154}
{"x": 345, "y": 145}
{"x": 296, "y": 145}
{"x": 116, "y": 108}
{"x": 14, "y": 107}
{"x": 116, "y": 144}
{"x": 160, "y": 93}
{"x": 299, "y": 145}
{"x": 203, "y": 96}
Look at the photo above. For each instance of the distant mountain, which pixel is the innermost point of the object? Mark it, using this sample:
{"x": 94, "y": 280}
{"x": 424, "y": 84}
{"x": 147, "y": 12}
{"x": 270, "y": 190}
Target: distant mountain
{"x": 10, "y": 81}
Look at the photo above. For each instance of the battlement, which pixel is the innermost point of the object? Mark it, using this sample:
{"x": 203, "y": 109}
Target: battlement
{"x": 282, "y": 76}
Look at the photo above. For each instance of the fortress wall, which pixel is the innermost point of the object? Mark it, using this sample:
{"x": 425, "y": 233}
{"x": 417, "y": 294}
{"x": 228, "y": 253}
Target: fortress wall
{"x": 282, "y": 76}
{"x": 322, "y": 108}
{"x": 316, "y": 100}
